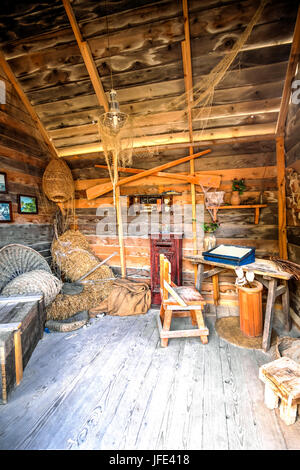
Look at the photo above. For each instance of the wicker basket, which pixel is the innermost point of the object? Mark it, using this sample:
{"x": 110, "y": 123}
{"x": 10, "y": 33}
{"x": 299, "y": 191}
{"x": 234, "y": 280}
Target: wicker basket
{"x": 58, "y": 184}
{"x": 37, "y": 281}
{"x": 16, "y": 259}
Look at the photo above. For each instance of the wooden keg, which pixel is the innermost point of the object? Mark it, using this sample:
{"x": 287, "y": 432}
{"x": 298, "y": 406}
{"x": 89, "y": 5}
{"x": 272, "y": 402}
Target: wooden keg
{"x": 250, "y": 305}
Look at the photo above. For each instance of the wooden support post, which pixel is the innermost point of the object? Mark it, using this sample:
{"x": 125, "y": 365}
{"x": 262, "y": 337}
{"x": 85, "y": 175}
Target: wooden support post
{"x": 119, "y": 217}
{"x": 290, "y": 73}
{"x": 282, "y": 235}
{"x": 188, "y": 80}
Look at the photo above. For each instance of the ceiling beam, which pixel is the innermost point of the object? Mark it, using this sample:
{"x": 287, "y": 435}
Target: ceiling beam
{"x": 15, "y": 83}
{"x": 290, "y": 73}
{"x": 211, "y": 135}
{"x": 87, "y": 57}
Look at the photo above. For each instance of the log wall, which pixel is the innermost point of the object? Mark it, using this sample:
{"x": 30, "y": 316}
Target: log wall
{"x": 254, "y": 161}
{"x": 23, "y": 157}
{"x": 292, "y": 147}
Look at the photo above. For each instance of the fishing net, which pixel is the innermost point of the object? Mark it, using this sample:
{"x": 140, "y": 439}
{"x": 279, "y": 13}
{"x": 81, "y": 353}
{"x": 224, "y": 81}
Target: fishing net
{"x": 131, "y": 139}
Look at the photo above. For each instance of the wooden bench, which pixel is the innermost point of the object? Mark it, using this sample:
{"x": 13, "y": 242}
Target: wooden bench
{"x": 266, "y": 272}
{"x": 282, "y": 387}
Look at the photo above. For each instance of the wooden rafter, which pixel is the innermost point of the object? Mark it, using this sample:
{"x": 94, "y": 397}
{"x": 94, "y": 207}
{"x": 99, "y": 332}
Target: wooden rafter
{"x": 291, "y": 69}
{"x": 87, "y": 57}
{"x": 101, "y": 189}
{"x": 14, "y": 81}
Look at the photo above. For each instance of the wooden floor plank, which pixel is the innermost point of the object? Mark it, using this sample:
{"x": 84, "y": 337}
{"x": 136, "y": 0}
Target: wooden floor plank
{"x": 242, "y": 432}
{"x": 214, "y": 411}
{"x": 112, "y": 386}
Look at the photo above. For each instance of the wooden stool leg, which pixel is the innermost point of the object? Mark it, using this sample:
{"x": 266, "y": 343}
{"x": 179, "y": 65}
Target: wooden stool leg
{"x": 193, "y": 317}
{"x": 288, "y": 413}
{"x": 162, "y": 313}
{"x": 166, "y": 326}
{"x": 201, "y": 324}
{"x": 271, "y": 399}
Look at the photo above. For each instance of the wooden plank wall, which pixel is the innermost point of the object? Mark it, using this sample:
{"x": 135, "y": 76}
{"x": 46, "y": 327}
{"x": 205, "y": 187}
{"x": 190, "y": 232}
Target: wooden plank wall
{"x": 292, "y": 147}
{"x": 254, "y": 161}
{"x": 23, "y": 157}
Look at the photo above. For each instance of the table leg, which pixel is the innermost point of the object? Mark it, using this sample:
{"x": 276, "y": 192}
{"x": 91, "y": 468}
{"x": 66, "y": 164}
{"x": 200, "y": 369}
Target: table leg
{"x": 199, "y": 280}
{"x": 269, "y": 314}
{"x": 286, "y": 307}
{"x": 215, "y": 279}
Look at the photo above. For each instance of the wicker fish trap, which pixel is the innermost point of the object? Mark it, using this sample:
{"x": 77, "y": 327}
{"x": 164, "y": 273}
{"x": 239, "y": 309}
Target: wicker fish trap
{"x": 58, "y": 184}
{"x": 33, "y": 282}
{"x": 69, "y": 324}
{"x": 16, "y": 259}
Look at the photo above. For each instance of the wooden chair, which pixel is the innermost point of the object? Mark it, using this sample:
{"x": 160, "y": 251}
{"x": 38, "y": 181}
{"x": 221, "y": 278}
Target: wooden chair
{"x": 179, "y": 302}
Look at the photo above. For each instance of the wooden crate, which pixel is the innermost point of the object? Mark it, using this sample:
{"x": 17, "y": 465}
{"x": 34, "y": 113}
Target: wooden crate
{"x": 22, "y": 320}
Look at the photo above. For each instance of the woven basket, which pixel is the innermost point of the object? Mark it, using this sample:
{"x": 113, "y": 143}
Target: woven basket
{"x": 34, "y": 282}
{"x": 16, "y": 259}
{"x": 58, "y": 184}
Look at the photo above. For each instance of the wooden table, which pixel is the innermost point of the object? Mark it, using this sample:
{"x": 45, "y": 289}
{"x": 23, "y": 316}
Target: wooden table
{"x": 266, "y": 272}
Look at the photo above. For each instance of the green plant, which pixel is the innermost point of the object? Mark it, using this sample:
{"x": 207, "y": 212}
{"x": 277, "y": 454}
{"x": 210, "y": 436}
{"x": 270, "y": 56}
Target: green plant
{"x": 238, "y": 185}
{"x": 211, "y": 227}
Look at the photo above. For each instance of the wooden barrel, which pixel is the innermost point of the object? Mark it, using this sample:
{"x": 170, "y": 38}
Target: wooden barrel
{"x": 250, "y": 305}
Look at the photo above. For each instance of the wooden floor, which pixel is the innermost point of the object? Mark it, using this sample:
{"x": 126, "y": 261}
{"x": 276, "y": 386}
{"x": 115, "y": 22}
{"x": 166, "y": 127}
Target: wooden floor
{"x": 111, "y": 386}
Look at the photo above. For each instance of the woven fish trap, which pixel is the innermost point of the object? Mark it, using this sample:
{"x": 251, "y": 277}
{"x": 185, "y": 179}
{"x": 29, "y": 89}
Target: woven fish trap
{"x": 69, "y": 324}
{"x": 33, "y": 282}
{"x": 58, "y": 184}
{"x": 16, "y": 259}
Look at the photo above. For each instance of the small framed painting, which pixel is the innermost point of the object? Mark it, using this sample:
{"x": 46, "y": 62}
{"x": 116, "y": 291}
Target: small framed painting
{"x": 3, "y": 182}
{"x": 27, "y": 204}
{"x": 5, "y": 211}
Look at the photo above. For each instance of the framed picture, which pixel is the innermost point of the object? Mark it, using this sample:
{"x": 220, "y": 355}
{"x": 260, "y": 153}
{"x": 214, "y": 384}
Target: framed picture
{"x": 3, "y": 182}
{"x": 27, "y": 204}
{"x": 5, "y": 211}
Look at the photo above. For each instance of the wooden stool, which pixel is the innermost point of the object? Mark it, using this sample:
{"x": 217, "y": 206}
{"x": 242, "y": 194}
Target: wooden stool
{"x": 178, "y": 302}
{"x": 282, "y": 387}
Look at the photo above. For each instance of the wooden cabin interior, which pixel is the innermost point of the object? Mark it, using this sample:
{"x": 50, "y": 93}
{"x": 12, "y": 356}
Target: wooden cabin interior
{"x": 140, "y": 135}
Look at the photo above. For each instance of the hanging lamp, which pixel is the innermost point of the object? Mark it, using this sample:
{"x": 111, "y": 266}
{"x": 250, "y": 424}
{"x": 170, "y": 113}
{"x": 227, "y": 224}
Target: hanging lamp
{"x": 114, "y": 119}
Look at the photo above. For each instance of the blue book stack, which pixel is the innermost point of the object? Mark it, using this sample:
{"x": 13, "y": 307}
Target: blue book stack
{"x": 230, "y": 254}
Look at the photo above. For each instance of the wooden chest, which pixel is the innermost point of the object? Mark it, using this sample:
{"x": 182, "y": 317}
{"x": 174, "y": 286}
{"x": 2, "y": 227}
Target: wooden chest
{"x": 22, "y": 320}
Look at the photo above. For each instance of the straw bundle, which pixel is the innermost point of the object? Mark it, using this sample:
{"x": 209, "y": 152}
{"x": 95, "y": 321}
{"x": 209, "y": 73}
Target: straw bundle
{"x": 71, "y": 252}
{"x": 58, "y": 184}
{"x": 33, "y": 282}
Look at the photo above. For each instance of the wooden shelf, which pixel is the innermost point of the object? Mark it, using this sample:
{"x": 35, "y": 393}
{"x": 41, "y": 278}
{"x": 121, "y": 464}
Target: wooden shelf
{"x": 257, "y": 207}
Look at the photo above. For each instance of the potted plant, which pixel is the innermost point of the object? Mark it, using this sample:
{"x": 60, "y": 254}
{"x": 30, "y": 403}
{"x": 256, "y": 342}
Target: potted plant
{"x": 209, "y": 240}
{"x": 238, "y": 187}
